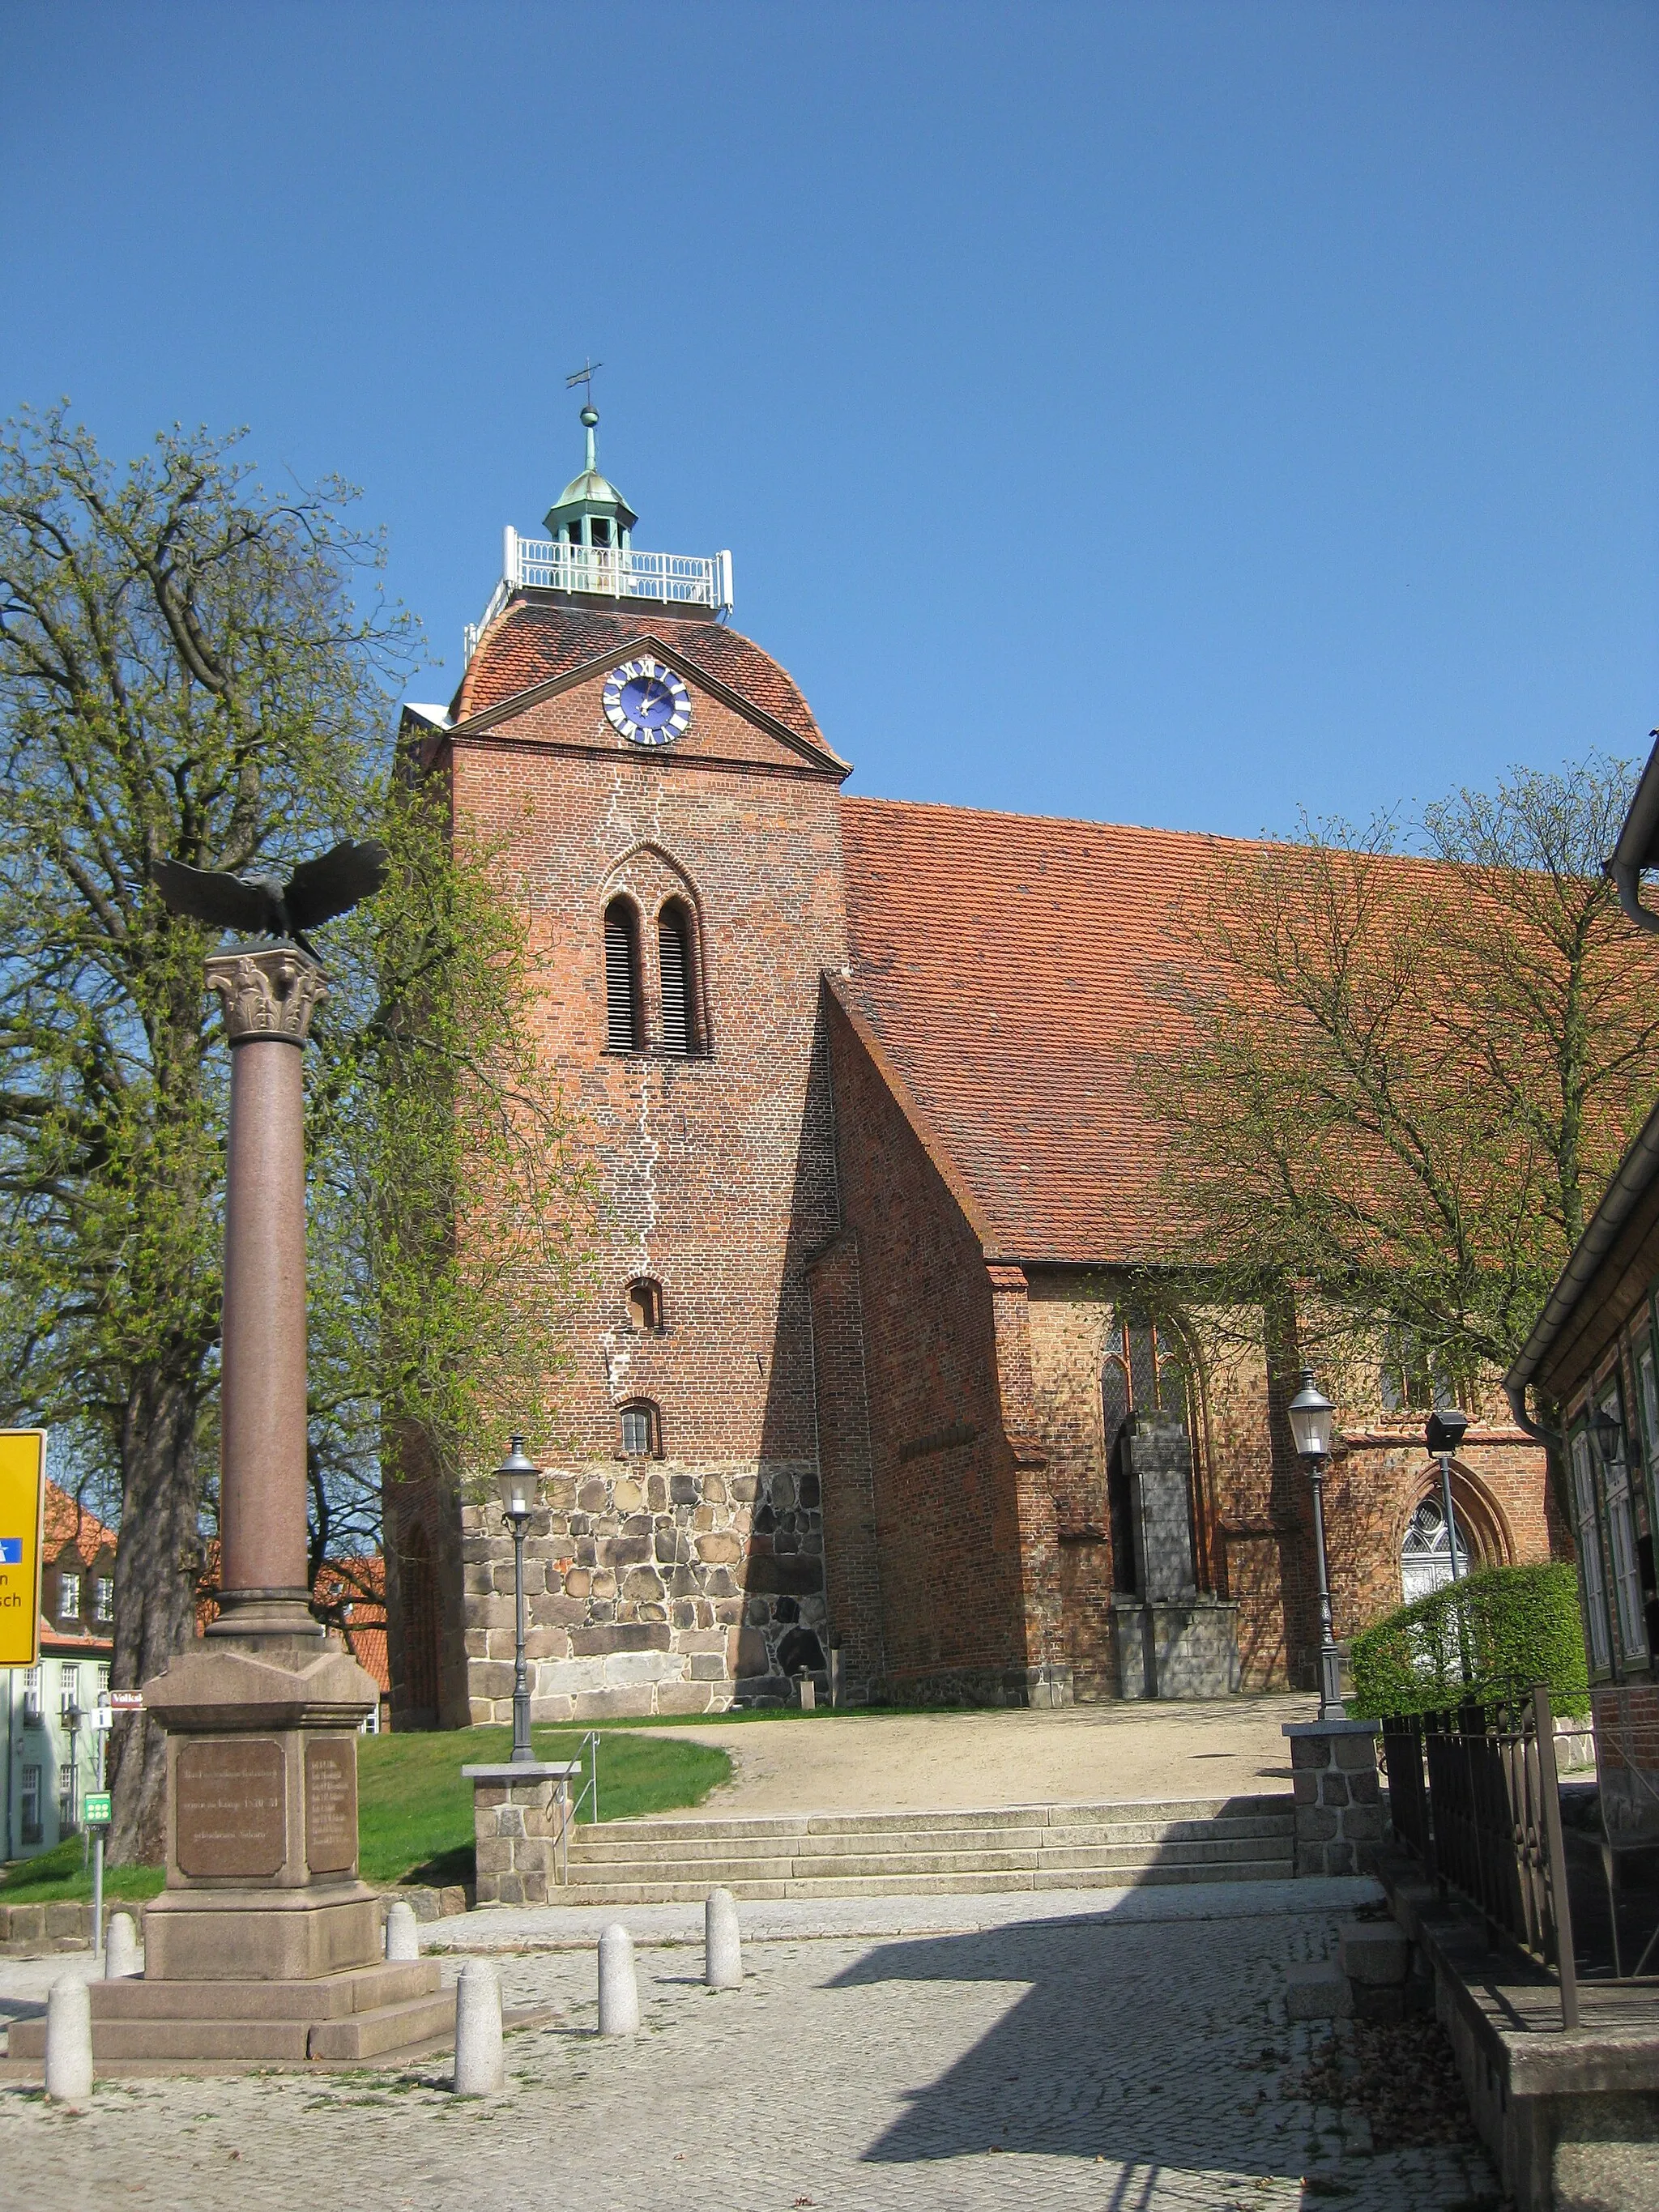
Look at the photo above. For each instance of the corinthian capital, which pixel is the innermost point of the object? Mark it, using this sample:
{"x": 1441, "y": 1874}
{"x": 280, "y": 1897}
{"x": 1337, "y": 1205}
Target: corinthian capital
{"x": 270, "y": 993}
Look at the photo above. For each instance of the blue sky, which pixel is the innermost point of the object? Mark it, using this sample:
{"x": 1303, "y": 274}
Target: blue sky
{"x": 1167, "y": 413}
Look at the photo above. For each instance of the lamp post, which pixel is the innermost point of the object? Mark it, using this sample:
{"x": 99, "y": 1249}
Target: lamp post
{"x": 1444, "y": 1433}
{"x": 518, "y": 1479}
{"x": 1312, "y": 1421}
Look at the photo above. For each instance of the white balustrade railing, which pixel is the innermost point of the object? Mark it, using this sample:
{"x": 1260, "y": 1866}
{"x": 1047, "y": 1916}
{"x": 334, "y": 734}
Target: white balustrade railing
{"x": 610, "y": 572}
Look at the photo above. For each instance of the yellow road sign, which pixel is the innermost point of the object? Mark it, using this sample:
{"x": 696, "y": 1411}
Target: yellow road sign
{"x": 22, "y": 1511}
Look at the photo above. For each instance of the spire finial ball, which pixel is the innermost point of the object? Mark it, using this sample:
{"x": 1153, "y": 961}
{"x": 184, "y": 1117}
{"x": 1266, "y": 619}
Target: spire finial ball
{"x": 590, "y": 416}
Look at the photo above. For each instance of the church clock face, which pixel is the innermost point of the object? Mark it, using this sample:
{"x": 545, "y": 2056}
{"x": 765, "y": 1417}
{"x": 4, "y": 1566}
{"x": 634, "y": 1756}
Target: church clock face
{"x": 646, "y": 702}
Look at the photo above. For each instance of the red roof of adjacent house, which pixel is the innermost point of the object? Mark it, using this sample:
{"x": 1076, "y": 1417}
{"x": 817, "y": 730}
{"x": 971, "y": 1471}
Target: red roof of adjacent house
{"x": 1012, "y": 968}
{"x": 73, "y": 1527}
{"x": 535, "y": 640}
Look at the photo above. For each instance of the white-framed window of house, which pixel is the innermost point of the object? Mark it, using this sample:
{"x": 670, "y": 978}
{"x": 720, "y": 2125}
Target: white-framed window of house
{"x": 103, "y": 1598}
{"x": 1589, "y": 1551}
{"x": 1622, "y": 1539}
{"x": 29, "y": 1804}
{"x": 69, "y": 1597}
{"x": 69, "y": 1685}
{"x": 103, "y": 1679}
{"x": 31, "y": 1694}
{"x": 66, "y": 1795}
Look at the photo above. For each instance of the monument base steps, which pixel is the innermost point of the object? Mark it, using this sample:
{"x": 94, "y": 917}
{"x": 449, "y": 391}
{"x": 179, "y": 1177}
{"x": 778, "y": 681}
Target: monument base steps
{"x": 201, "y": 1935}
{"x": 338, "y": 2018}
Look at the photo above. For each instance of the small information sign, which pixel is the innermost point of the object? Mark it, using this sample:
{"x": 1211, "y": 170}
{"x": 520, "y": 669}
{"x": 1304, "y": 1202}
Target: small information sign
{"x": 22, "y": 1503}
{"x": 95, "y": 1808}
{"x": 124, "y": 1701}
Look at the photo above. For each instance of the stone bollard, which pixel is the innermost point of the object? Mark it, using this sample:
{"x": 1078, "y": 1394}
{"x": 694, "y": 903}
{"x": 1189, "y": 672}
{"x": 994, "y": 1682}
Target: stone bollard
{"x": 480, "y": 2069}
{"x": 619, "y": 1992}
{"x": 403, "y": 1935}
{"x": 120, "y": 1947}
{"x": 722, "y": 1945}
{"x": 68, "y": 2040}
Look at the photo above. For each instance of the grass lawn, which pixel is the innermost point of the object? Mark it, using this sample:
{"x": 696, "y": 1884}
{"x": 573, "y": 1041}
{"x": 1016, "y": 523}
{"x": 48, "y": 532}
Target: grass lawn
{"x": 415, "y": 1812}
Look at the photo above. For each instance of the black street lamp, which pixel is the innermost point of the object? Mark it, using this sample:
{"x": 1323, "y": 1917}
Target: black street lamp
{"x": 1312, "y": 1424}
{"x": 518, "y": 1479}
{"x": 1444, "y": 1433}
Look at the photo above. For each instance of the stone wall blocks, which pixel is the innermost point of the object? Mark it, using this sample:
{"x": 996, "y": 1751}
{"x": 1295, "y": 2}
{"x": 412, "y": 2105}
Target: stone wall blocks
{"x": 1365, "y": 1789}
{"x": 558, "y": 1610}
{"x": 509, "y": 1821}
{"x": 719, "y": 1550}
{"x": 683, "y": 1489}
{"x": 547, "y": 1643}
{"x": 1362, "y": 1824}
{"x": 1304, "y": 1788}
{"x": 728, "y": 1611}
{"x": 547, "y": 1712}
{"x": 1334, "y": 1790}
{"x": 639, "y": 1524}
{"x": 656, "y": 1491}
{"x": 579, "y": 1582}
{"x": 488, "y": 1679}
{"x": 595, "y": 1495}
{"x": 1356, "y": 1752}
{"x": 480, "y": 1711}
{"x": 708, "y": 1666}
{"x": 617, "y": 1704}
{"x": 475, "y": 1642}
{"x": 493, "y": 1855}
{"x": 1311, "y": 1752}
{"x": 745, "y": 1488}
{"x": 713, "y": 1490}
{"x": 721, "y": 1583}
{"x": 1315, "y": 1825}
{"x": 686, "y": 1697}
{"x": 568, "y": 1678}
{"x": 620, "y": 1635}
{"x": 626, "y": 1551}
{"x": 702, "y": 1639}
{"x": 604, "y": 1583}
{"x": 625, "y": 1668}
{"x": 642, "y": 1583}
{"x": 683, "y": 1613}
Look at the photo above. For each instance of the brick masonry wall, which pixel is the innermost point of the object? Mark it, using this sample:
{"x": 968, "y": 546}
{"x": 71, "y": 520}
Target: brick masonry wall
{"x": 947, "y": 1490}
{"x": 716, "y": 1177}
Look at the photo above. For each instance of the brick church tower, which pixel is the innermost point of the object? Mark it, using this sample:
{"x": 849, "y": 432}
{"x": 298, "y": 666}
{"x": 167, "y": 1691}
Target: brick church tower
{"x": 866, "y": 1364}
{"x": 670, "y": 805}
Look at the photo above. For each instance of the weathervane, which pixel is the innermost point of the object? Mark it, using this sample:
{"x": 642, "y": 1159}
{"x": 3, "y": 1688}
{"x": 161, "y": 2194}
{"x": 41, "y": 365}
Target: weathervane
{"x": 584, "y": 376}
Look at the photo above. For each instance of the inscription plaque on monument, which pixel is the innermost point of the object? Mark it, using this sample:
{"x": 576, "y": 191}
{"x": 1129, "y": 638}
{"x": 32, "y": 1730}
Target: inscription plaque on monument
{"x": 331, "y": 1804}
{"x": 232, "y": 1805}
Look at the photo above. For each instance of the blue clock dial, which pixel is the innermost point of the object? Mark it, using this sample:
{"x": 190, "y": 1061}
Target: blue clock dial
{"x": 646, "y": 701}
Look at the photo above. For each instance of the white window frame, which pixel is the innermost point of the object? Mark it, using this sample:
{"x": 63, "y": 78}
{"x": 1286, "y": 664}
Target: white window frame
{"x": 30, "y": 1793}
{"x": 69, "y": 1587}
{"x": 69, "y": 1685}
{"x": 103, "y": 1597}
{"x": 1588, "y": 1527}
{"x": 1621, "y": 1542}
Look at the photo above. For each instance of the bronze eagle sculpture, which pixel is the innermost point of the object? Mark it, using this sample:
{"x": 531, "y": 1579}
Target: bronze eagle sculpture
{"x": 316, "y": 892}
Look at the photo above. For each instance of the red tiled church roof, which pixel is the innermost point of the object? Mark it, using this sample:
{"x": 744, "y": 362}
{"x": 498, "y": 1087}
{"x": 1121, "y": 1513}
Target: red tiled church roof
{"x": 1012, "y": 969}
{"x": 535, "y": 640}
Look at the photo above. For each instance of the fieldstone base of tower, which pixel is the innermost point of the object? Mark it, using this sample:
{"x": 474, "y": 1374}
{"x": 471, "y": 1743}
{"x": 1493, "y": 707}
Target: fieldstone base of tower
{"x": 1181, "y": 1648}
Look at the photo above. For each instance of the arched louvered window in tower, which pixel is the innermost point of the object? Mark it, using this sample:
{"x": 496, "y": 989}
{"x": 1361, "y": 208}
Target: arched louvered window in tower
{"x": 679, "y": 1012}
{"x": 621, "y": 977}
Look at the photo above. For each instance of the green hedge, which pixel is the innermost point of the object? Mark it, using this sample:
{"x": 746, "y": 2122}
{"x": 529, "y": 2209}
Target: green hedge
{"x": 1517, "y": 1625}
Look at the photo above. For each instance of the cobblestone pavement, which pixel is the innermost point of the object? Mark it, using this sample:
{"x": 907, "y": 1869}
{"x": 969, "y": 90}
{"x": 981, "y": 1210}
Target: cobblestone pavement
{"x": 1124, "y": 2067}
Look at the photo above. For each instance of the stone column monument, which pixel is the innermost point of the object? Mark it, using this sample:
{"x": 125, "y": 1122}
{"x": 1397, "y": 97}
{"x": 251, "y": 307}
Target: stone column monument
{"x": 265, "y": 1944}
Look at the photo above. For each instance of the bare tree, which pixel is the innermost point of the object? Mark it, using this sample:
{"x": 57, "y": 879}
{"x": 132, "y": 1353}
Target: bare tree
{"x": 1403, "y": 1079}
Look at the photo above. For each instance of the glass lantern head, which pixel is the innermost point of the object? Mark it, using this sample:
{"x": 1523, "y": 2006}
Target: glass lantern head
{"x": 1312, "y": 1417}
{"x": 518, "y": 1479}
{"x": 1610, "y": 1435}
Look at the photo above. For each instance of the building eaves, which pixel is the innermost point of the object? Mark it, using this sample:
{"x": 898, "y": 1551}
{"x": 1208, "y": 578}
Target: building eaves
{"x": 1638, "y": 1172}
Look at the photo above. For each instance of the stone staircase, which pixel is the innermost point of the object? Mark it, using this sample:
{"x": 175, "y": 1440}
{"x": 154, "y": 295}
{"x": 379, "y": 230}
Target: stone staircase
{"x": 825, "y": 1855}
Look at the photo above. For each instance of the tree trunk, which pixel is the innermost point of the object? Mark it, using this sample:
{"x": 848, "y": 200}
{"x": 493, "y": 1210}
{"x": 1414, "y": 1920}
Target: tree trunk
{"x": 157, "y": 1563}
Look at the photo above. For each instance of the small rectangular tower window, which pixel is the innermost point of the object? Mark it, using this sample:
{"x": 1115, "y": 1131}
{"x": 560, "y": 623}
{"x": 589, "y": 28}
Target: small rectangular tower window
{"x": 621, "y": 977}
{"x": 639, "y": 1430}
{"x": 68, "y": 1597}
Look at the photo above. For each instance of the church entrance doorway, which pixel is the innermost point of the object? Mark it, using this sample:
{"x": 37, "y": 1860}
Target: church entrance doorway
{"x": 1425, "y": 1556}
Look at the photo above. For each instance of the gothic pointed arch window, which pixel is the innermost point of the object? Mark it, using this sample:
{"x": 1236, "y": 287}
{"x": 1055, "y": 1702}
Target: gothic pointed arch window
{"x": 621, "y": 977}
{"x": 677, "y": 958}
{"x": 1425, "y": 1556}
{"x": 1142, "y": 1376}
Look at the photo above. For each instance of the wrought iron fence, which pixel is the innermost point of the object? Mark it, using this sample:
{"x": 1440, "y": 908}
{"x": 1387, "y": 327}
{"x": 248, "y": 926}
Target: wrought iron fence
{"x": 1484, "y": 1818}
